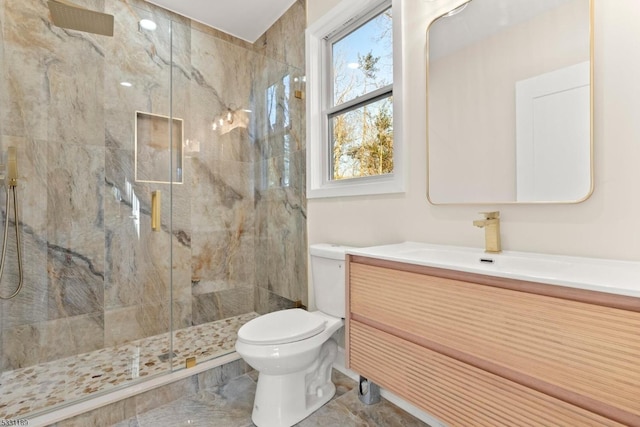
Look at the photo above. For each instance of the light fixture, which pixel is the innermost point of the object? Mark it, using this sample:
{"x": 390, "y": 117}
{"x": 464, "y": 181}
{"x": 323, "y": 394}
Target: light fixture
{"x": 230, "y": 119}
{"x": 126, "y": 84}
{"x": 147, "y": 24}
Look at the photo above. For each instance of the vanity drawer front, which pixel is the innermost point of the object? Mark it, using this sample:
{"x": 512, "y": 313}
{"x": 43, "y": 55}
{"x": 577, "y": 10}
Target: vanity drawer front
{"x": 454, "y": 392}
{"x": 584, "y": 351}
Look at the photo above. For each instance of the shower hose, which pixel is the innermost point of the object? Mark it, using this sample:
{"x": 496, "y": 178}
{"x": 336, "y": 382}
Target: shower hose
{"x": 11, "y": 188}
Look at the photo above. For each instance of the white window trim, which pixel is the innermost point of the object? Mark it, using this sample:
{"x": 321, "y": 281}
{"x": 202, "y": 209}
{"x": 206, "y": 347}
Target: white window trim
{"x": 318, "y": 183}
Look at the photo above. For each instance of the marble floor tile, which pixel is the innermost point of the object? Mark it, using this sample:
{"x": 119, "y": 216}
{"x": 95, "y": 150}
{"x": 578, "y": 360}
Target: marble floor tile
{"x": 230, "y": 405}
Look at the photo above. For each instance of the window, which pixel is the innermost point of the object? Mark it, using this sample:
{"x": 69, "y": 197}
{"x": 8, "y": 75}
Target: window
{"x": 353, "y": 101}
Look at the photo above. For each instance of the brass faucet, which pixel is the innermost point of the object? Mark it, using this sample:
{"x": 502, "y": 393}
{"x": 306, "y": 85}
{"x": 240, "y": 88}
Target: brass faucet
{"x": 491, "y": 225}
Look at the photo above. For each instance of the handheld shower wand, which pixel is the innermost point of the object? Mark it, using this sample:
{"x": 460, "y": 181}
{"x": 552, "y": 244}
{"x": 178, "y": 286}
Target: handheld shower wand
{"x": 12, "y": 183}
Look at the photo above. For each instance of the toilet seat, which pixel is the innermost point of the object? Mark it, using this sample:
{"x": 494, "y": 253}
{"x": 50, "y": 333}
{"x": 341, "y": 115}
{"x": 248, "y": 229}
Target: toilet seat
{"x": 281, "y": 327}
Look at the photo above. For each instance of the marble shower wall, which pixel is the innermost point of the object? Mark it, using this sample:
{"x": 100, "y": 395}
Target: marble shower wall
{"x": 95, "y": 273}
{"x": 281, "y": 238}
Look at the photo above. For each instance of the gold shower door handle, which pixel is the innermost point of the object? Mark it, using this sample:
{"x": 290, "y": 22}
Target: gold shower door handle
{"x": 156, "y": 203}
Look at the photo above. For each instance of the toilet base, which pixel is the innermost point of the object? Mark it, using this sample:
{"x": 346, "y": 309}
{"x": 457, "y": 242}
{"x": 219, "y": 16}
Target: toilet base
{"x": 284, "y": 400}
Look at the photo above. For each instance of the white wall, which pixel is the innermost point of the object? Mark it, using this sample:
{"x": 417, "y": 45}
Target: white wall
{"x": 607, "y": 225}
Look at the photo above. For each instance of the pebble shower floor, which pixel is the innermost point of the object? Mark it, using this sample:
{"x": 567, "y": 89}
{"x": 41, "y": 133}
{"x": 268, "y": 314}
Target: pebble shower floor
{"x": 34, "y": 389}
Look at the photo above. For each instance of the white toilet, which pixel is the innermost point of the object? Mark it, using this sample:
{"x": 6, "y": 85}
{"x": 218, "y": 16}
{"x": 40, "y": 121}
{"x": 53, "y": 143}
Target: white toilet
{"x": 293, "y": 350}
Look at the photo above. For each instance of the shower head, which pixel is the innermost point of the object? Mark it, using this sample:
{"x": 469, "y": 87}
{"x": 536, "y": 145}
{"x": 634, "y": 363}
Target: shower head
{"x": 68, "y": 15}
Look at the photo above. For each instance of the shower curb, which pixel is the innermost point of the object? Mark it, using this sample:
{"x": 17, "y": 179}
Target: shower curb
{"x": 95, "y": 403}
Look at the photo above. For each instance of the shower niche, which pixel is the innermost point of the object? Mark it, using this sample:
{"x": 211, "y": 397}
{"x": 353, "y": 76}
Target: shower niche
{"x": 158, "y": 148}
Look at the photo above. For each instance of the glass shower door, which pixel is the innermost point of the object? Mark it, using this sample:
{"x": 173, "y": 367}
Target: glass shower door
{"x": 90, "y": 118}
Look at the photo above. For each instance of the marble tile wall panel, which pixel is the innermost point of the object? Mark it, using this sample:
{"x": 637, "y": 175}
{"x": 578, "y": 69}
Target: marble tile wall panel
{"x": 182, "y": 316}
{"x": 74, "y": 287}
{"x": 281, "y": 244}
{"x": 75, "y": 177}
{"x": 224, "y": 259}
{"x": 284, "y": 41}
{"x": 76, "y": 107}
{"x": 222, "y": 196}
{"x": 142, "y": 59}
{"x": 32, "y": 43}
{"x": 280, "y": 181}
{"x": 221, "y": 79}
{"x": 222, "y": 201}
{"x": 125, "y": 271}
{"x": 3, "y": 85}
{"x": 26, "y": 345}
{"x": 222, "y": 304}
{"x": 130, "y": 323}
{"x": 286, "y": 245}
{"x": 267, "y": 301}
{"x": 75, "y": 229}
{"x": 32, "y": 157}
{"x": 139, "y": 276}
{"x": 31, "y": 304}
{"x": 107, "y": 271}
{"x": 21, "y": 346}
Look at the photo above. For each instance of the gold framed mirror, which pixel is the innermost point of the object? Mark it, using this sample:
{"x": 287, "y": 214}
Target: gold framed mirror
{"x": 510, "y": 102}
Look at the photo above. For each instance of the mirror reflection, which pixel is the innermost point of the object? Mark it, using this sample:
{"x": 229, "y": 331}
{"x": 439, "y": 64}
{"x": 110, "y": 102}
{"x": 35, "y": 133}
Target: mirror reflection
{"x": 509, "y": 102}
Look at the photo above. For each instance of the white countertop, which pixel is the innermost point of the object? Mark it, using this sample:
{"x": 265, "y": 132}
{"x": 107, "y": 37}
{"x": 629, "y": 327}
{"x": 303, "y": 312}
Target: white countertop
{"x": 596, "y": 274}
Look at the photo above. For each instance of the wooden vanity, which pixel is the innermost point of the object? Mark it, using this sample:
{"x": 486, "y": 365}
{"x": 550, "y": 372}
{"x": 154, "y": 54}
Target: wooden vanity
{"x": 474, "y": 349}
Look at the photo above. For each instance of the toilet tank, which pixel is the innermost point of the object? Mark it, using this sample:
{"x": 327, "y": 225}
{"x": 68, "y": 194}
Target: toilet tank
{"x": 328, "y": 274}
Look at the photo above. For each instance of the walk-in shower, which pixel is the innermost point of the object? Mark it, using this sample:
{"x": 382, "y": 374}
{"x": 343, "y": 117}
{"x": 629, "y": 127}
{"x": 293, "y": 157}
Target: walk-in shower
{"x": 107, "y": 302}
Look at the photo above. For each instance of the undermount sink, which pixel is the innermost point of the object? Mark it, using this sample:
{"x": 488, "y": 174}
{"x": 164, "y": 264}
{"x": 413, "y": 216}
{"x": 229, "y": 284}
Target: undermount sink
{"x": 603, "y": 275}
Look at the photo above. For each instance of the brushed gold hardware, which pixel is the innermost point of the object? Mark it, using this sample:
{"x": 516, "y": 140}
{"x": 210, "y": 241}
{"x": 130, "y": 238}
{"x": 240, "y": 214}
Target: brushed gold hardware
{"x": 298, "y": 94}
{"x": 491, "y": 225}
{"x": 65, "y": 14}
{"x": 299, "y": 304}
{"x": 190, "y": 362}
{"x": 12, "y": 184}
{"x": 12, "y": 167}
{"x": 156, "y": 203}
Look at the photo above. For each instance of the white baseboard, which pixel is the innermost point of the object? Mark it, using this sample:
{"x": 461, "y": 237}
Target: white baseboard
{"x": 399, "y": 402}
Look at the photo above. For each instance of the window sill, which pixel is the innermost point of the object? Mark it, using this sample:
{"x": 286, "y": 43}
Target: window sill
{"x": 388, "y": 184}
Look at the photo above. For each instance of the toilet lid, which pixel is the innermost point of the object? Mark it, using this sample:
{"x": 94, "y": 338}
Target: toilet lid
{"x": 281, "y": 327}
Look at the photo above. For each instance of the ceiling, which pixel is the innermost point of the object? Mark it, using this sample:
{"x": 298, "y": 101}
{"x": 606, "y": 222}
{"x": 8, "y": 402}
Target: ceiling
{"x": 245, "y": 19}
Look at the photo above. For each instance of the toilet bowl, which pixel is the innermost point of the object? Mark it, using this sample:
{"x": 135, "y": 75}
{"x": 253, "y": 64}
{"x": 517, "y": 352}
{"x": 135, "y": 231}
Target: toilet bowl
{"x": 294, "y": 373}
{"x": 293, "y": 351}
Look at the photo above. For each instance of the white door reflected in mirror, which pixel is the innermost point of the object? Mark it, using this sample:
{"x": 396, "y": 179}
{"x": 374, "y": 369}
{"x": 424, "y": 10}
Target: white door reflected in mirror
{"x": 552, "y": 125}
